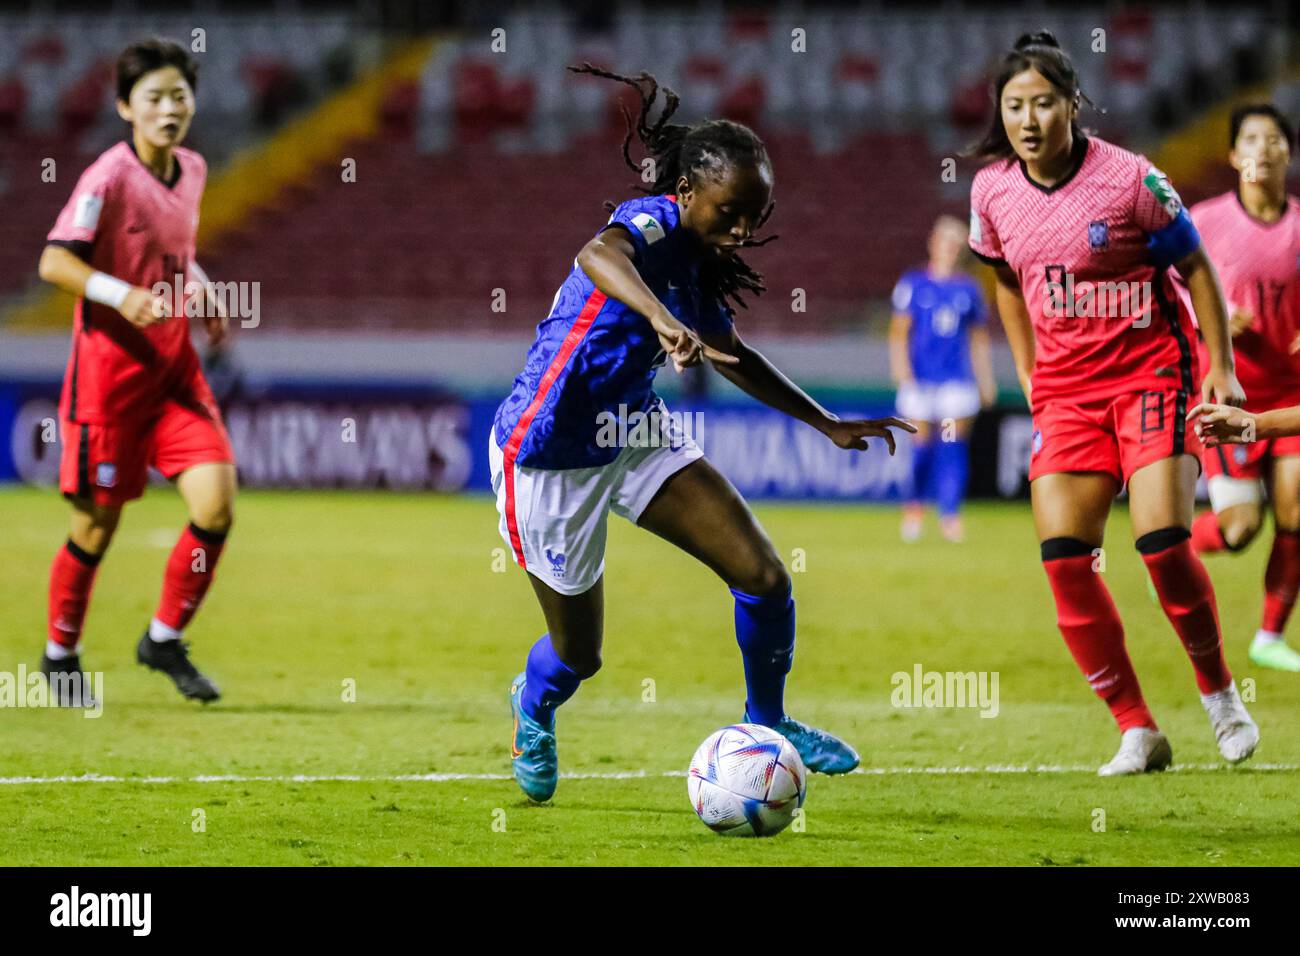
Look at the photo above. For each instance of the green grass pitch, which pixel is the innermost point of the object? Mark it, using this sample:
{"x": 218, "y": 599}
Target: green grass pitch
{"x": 406, "y": 599}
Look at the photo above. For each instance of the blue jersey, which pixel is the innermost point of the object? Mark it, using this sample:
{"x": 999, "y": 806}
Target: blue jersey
{"x": 594, "y": 354}
{"x": 942, "y": 311}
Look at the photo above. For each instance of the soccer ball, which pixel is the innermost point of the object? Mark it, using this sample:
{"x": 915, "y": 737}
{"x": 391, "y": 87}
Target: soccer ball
{"x": 746, "y": 780}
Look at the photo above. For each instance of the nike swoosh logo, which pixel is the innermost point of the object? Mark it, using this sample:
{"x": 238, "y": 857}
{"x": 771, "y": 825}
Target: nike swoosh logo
{"x": 515, "y": 752}
{"x": 1092, "y": 677}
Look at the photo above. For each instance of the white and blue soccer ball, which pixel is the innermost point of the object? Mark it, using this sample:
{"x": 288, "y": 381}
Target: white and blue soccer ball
{"x": 746, "y": 780}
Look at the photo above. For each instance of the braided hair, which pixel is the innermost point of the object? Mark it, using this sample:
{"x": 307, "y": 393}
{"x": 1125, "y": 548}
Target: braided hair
{"x": 705, "y": 150}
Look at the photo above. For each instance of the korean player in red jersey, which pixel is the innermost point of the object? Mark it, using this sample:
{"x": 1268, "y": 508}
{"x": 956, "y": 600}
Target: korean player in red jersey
{"x": 134, "y": 395}
{"x": 1083, "y": 236}
{"x": 1252, "y": 235}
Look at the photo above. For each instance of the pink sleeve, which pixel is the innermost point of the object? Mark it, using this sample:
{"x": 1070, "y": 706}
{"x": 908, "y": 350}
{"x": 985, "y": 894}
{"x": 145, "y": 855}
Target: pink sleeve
{"x": 1156, "y": 203}
{"x": 87, "y": 208}
{"x": 983, "y": 234}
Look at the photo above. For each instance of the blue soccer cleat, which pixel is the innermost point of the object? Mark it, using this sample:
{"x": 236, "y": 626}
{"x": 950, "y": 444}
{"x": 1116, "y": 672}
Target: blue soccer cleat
{"x": 820, "y": 752}
{"x": 532, "y": 750}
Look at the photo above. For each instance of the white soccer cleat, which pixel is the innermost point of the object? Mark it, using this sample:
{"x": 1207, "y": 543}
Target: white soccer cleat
{"x": 1237, "y": 734}
{"x": 1141, "y": 750}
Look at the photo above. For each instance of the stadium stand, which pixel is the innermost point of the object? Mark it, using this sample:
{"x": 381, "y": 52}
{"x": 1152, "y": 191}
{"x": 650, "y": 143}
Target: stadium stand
{"x": 486, "y": 171}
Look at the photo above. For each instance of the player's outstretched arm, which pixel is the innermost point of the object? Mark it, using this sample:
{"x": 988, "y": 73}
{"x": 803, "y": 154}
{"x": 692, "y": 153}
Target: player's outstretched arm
{"x": 756, "y": 376}
{"x": 64, "y": 270}
{"x": 1202, "y": 280}
{"x": 1017, "y": 324}
{"x": 1228, "y": 425}
{"x": 609, "y": 261}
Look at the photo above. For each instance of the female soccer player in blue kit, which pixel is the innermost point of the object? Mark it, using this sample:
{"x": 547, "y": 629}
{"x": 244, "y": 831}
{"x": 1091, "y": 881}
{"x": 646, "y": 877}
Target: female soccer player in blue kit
{"x": 653, "y": 284}
{"x": 940, "y": 357}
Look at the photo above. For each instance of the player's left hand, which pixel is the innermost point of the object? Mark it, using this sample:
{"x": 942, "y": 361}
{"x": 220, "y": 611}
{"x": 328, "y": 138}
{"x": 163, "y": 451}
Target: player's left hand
{"x": 1223, "y": 425}
{"x": 854, "y": 434}
{"x": 1222, "y": 388}
{"x": 1240, "y": 321}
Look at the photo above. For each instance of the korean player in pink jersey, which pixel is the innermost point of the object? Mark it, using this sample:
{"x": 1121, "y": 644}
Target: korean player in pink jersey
{"x": 134, "y": 394}
{"x": 1252, "y": 235}
{"x": 1083, "y": 236}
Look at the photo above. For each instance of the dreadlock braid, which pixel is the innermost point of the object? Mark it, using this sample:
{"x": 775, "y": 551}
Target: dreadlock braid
{"x": 706, "y": 149}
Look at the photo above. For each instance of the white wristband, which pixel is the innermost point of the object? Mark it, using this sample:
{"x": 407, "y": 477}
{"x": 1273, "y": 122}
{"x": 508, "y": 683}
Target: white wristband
{"x": 106, "y": 290}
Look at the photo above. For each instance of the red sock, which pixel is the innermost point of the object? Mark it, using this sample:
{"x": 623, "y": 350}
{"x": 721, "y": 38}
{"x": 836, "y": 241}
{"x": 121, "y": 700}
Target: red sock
{"x": 190, "y": 570}
{"x": 1187, "y": 597}
{"x": 1281, "y": 580}
{"x": 1207, "y": 536}
{"x": 72, "y": 576}
{"x": 1092, "y": 630}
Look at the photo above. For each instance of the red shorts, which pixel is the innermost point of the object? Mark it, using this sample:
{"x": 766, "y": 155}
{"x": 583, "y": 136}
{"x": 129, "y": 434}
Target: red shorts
{"x": 1116, "y": 435}
{"x": 109, "y": 464}
{"x": 1247, "y": 461}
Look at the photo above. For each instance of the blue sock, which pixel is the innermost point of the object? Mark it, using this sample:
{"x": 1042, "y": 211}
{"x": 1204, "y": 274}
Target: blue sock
{"x": 548, "y": 683}
{"x": 952, "y": 463}
{"x": 922, "y": 471}
{"x": 765, "y": 633}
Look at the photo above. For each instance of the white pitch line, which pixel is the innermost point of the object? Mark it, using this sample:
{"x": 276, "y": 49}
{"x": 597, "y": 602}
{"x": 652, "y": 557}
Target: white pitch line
{"x": 625, "y": 775}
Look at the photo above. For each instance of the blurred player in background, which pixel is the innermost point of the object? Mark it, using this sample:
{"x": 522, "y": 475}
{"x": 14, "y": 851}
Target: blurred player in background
{"x": 1109, "y": 378}
{"x": 941, "y": 361}
{"x": 653, "y": 284}
{"x": 134, "y": 395}
{"x": 1252, "y": 235}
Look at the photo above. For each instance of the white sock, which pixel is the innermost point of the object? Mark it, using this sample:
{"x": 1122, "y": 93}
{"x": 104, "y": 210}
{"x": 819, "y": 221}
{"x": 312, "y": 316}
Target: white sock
{"x": 57, "y": 652}
{"x": 158, "y": 631}
{"x": 1267, "y": 637}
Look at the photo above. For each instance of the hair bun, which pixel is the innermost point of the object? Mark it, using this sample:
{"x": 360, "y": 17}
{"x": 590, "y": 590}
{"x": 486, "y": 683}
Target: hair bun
{"x": 1041, "y": 38}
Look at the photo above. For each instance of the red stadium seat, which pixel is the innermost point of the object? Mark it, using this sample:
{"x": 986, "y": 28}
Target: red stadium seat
{"x": 13, "y": 104}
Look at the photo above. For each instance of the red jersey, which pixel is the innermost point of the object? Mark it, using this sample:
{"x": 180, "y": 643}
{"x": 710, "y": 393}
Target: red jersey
{"x": 1259, "y": 267}
{"x": 1106, "y": 318}
{"x": 127, "y": 223}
